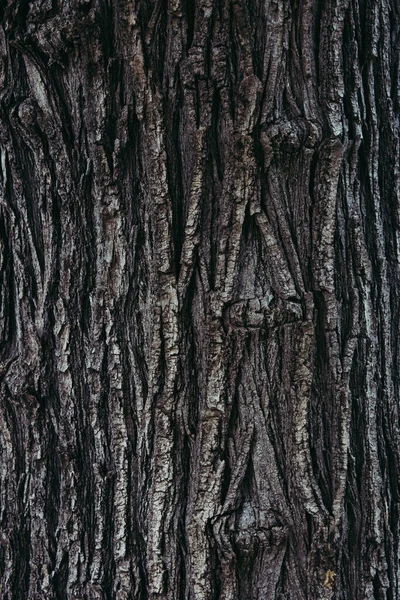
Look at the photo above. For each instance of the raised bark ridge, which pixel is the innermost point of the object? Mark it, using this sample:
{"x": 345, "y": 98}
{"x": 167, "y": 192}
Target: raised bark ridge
{"x": 199, "y": 307}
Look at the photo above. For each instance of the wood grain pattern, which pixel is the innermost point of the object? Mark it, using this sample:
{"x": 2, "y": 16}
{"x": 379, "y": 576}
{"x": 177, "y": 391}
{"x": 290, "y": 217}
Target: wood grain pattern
{"x": 199, "y": 300}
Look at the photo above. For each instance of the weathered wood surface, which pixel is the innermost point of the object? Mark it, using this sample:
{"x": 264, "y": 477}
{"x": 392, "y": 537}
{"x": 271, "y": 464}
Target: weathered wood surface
{"x": 199, "y": 299}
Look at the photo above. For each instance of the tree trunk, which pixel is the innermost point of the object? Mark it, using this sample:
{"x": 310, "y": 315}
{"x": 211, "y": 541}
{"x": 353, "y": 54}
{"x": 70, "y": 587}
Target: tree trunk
{"x": 199, "y": 314}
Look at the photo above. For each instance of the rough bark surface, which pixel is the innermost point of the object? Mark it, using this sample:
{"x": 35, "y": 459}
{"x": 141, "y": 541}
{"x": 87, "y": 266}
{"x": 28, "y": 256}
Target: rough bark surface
{"x": 199, "y": 299}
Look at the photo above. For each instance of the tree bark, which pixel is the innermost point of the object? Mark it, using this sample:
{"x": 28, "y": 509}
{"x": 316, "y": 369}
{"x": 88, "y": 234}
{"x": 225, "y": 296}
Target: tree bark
{"x": 199, "y": 314}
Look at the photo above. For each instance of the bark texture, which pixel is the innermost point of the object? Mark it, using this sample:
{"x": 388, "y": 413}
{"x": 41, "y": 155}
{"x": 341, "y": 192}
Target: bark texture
{"x": 199, "y": 299}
